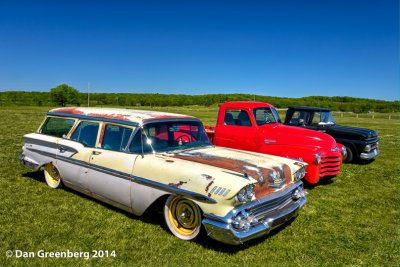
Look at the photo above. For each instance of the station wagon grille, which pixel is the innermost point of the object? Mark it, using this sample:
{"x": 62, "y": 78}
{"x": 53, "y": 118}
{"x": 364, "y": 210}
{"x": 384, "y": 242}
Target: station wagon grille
{"x": 267, "y": 209}
{"x": 329, "y": 165}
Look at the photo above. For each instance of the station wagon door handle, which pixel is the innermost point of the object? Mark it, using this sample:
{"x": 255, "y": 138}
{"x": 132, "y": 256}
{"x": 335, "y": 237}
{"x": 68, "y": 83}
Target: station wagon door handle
{"x": 62, "y": 149}
{"x": 96, "y": 152}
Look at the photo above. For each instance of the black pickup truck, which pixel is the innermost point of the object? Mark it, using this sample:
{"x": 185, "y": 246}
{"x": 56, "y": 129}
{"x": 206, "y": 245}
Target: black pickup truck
{"x": 361, "y": 144}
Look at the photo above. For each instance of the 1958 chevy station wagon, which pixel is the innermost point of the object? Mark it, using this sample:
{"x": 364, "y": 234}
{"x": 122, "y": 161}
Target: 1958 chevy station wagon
{"x": 132, "y": 158}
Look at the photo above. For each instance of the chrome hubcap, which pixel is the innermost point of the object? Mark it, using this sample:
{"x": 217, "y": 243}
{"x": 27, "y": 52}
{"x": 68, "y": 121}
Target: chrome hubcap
{"x": 185, "y": 215}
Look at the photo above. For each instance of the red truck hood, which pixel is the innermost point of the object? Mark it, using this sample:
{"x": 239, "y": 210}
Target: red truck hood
{"x": 290, "y": 135}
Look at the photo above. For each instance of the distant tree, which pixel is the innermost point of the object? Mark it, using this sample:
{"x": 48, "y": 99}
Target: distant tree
{"x": 64, "y": 94}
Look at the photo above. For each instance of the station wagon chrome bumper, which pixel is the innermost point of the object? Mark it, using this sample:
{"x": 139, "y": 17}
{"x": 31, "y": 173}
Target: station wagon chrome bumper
{"x": 266, "y": 214}
{"x": 24, "y": 161}
{"x": 370, "y": 155}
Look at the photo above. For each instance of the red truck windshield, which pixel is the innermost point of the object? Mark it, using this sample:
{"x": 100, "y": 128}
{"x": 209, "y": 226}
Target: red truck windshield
{"x": 266, "y": 115}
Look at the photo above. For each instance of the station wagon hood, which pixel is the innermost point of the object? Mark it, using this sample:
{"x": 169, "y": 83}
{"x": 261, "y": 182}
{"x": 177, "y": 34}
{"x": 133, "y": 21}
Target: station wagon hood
{"x": 280, "y": 134}
{"x": 347, "y": 132}
{"x": 270, "y": 173}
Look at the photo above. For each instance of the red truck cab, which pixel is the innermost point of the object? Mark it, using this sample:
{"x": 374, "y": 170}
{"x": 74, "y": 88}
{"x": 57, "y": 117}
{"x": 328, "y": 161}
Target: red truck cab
{"x": 256, "y": 126}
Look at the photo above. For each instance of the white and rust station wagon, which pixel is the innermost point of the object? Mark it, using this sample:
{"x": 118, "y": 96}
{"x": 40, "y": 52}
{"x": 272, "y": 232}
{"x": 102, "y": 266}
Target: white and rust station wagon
{"x": 132, "y": 158}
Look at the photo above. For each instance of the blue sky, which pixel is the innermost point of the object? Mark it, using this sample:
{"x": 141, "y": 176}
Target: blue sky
{"x": 277, "y": 48}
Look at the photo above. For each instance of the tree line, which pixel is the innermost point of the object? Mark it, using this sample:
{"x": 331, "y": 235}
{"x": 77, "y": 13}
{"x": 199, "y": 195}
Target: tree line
{"x": 63, "y": 95}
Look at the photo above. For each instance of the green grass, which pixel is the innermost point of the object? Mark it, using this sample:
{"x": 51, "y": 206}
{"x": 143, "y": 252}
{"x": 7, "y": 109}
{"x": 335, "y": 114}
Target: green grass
{"x": 352, "y": 219}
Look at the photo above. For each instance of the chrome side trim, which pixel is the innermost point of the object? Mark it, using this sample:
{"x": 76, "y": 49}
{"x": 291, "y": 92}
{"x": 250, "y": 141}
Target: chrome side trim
{"x": 178, "y": 191}
{"x": 127, "y": 176}
{"x": 93, "y": 118}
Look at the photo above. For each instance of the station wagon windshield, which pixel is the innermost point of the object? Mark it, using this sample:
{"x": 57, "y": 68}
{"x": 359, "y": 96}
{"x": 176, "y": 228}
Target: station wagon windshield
{"x": 169, "y": 136}
{"x": 266, "y": 116}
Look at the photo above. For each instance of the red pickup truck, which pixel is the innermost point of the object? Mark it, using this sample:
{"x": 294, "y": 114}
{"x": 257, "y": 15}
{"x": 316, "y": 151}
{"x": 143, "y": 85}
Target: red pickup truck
{"x": 256, "y": 127}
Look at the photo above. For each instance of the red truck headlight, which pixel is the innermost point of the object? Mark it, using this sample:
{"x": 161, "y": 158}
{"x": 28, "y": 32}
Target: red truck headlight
{"x": 317, "y": 158}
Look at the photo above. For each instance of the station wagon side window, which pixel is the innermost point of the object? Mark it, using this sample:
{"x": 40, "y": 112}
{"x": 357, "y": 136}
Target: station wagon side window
{"x": 58, "y": 127}
{"x": 237, "y": 117}
{"x": 115, "y": 137}
{"x": 86, "y": 133}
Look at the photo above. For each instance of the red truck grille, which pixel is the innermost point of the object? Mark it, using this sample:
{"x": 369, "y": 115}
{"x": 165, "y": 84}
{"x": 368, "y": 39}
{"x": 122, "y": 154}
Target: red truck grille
{"x": 330, "y": 165}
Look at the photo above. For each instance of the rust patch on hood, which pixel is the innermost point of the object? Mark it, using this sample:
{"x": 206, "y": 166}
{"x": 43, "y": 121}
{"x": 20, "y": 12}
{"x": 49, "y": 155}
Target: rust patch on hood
{"x": 264, "y": 176}
{"x": 211, "y": 179}
{"x": 178, "y": 185}
{"x": 208, "y": 177}
{"x": 208, "y": 186}
{"x": 169, "y": 160}
{"x": 299, "y": 164}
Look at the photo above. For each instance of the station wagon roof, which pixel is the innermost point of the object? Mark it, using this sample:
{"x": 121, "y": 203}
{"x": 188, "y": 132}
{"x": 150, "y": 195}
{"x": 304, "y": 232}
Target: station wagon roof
{"x": 129, "y": 115}
{"x": 309, "y": 108}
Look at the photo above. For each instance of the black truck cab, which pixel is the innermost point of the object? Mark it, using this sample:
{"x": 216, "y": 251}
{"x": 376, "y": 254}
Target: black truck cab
{"x": 361, "y": 144}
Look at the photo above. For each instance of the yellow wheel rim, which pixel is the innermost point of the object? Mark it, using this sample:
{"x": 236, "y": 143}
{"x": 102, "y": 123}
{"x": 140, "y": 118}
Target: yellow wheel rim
{"x": 183, "y": 216}
{"x": 53, "y": 176}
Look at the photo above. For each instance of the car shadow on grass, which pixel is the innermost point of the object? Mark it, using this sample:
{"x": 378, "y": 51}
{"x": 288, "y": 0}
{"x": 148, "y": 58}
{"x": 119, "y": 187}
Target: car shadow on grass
{"x": 362, "y": 162}
{"x": 35, "y": 175}
{"x": 326, "y": 180}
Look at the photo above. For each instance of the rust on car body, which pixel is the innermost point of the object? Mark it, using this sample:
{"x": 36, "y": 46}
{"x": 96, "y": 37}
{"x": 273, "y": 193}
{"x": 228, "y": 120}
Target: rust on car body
{"x": 264, "y": 176}
{"x": 177, "y": 185}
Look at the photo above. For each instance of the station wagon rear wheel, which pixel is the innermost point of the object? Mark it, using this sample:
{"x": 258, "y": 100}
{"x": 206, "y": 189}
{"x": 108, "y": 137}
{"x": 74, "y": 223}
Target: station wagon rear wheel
{"x": 183, "y": 217}
{"x": 52, "y": 176}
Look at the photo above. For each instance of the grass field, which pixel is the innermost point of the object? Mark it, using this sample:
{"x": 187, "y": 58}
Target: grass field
{"x": 352, "y": 219}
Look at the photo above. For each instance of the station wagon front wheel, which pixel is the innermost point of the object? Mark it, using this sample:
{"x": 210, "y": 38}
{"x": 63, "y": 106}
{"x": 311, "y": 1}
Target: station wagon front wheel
{"x": 183, "y": 217}
{"x": 52, "y": 176}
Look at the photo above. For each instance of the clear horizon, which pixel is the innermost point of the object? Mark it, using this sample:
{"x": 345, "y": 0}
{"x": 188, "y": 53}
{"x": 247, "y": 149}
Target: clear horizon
{"x": 283, "y": 49}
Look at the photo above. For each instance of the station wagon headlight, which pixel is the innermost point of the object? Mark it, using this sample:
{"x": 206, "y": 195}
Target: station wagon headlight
{"x": 245, "y": 194}
{"x": 250, "y": 191}
{"x": 299, "y": 174}
{"x": 317, "y": 158}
